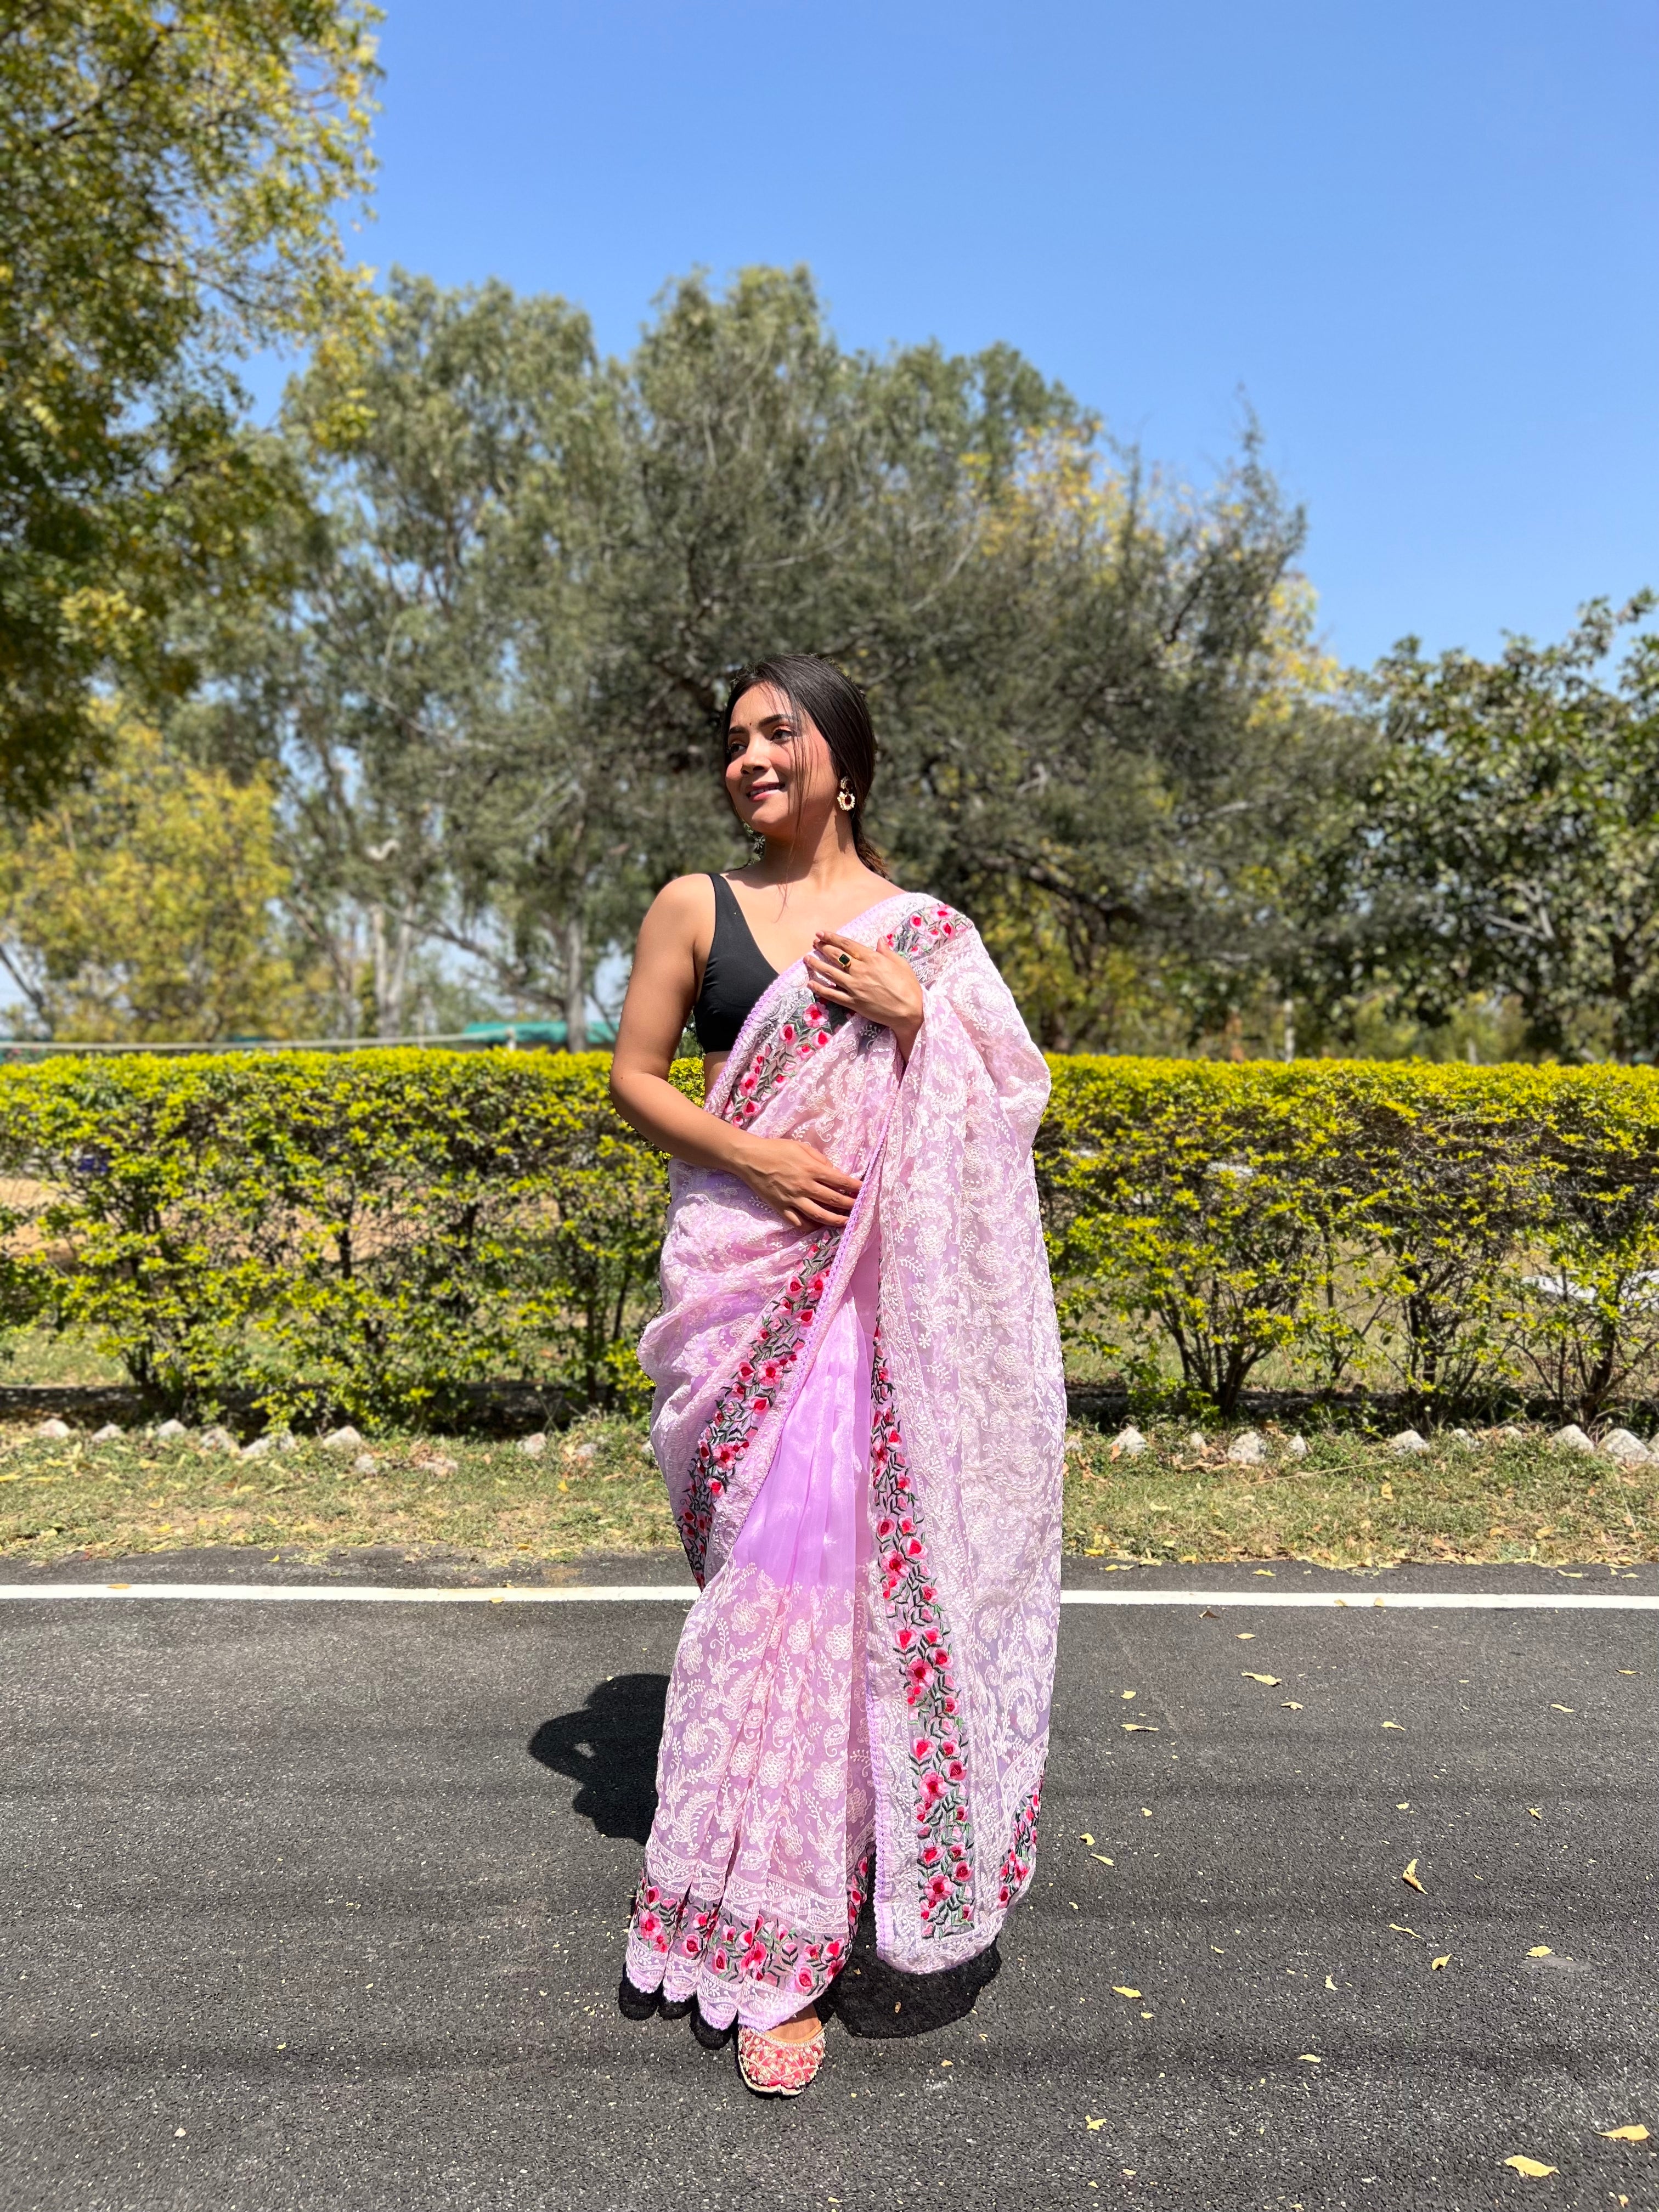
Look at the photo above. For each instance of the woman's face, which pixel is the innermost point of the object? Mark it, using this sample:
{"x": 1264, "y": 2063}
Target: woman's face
{"x": 778, "y": 768}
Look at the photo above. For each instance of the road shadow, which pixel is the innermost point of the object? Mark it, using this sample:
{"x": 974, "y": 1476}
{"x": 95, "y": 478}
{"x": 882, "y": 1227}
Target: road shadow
{"x": 609, "y": 1748}
{"x": 879, "y": 2003}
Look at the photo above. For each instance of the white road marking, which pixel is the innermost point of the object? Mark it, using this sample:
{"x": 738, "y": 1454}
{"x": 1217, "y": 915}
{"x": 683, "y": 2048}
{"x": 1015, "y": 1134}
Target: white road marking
{"x": 679, "y": 1593}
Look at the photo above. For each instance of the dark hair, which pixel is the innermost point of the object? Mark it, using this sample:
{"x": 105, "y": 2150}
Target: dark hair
{"x": 818, "y": 691}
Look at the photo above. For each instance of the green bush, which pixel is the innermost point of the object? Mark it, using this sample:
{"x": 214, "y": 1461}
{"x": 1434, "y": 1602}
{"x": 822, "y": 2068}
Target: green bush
{"x": 1459, "y": 1232}
{"x": 371, "y": 1231}
{"x": 364, "y": 1231}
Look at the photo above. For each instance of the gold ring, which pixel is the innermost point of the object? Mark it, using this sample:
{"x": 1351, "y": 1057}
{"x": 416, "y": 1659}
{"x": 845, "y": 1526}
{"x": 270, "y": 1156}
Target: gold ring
{"x": 846, "y": 959}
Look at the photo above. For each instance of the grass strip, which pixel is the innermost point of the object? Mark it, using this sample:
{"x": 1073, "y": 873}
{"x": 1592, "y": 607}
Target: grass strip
{"x": 1350, "y": 1502}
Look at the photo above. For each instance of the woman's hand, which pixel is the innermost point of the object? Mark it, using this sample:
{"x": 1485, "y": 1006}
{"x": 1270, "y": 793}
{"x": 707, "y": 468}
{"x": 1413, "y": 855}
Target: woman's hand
{"x": 797, "y": 1179}
{"x": 869, "y": 980}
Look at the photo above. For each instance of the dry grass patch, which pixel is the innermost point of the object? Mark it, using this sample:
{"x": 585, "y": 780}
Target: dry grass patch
{"x": 1351, "y": 1502}
{"x": 595, "y": 1489}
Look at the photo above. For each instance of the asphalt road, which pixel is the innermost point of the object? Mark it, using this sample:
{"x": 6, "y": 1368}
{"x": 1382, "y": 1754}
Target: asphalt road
{"x": 321, "y": 1906}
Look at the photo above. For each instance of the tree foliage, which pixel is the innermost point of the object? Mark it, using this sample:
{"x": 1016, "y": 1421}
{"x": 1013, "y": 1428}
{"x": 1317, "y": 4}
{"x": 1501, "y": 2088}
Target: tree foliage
{"x": 491, "y": 700}
{"x": 1506, "y": 841}
{"x": 142, "y": 906}
{"x": 424, "y": 694}
{"x": 169, "y": 174}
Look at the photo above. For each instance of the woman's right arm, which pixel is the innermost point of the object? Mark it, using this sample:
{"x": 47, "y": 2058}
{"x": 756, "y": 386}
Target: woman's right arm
{"x": 794, "y": 1179}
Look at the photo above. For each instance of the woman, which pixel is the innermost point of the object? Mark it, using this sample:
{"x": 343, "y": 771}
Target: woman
{"x": 859, "y": 1405}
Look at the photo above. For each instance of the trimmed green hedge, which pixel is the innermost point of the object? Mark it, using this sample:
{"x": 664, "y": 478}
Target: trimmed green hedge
{"x": 364, "y": 1231}
{"x": 1464, "y": 1234}
{"x": 370, "y": 1232}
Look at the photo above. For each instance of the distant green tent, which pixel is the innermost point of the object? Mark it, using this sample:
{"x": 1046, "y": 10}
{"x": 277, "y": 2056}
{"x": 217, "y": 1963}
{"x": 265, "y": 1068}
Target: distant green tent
{"x": 543, "y": 1037}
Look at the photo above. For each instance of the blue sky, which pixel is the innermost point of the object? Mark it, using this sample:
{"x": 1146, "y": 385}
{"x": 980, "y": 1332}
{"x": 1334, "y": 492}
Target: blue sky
{"x": 1424, "y": 240}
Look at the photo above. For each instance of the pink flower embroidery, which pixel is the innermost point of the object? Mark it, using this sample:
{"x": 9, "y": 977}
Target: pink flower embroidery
{"x": 938, "y": 1756}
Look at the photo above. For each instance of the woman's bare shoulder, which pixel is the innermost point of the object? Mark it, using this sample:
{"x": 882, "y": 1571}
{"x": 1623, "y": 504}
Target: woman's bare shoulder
{"x": 683, "y": 908}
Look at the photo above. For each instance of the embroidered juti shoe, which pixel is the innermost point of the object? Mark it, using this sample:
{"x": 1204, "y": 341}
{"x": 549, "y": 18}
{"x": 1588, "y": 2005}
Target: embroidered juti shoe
{"x": 772, "y": 2068}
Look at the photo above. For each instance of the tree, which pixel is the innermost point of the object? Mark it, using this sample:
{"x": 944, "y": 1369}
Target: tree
{"x": 489, "y": 702}
{"x": 1116, "y": 752}
{"x": 1506, "y": 841}
{"x": 422, "y": 699}
{"x": 169, "y": 174}
{"x": 143, "y": 905}
{"x": 788, "y": 496}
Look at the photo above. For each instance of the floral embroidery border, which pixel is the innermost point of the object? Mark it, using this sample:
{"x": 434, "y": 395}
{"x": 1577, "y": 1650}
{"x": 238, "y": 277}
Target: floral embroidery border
{"x": 1021, "y": 1855}
{"x": 807, "y": 1025}
{"x": 750, "y": 1395}
{"x": 922, "y": 1642}
{"x": 921, "y": 931}
{"x": 803, "y": 1031}
{"x": 765, "y": 1951}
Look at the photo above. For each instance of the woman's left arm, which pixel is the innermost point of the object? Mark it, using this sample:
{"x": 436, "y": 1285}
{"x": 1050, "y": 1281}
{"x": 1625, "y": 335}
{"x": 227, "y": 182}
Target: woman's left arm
{"x": 869, "y": 980}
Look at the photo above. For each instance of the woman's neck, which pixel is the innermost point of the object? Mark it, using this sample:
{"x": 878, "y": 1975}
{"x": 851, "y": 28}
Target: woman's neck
{"x": 825, "y": 866}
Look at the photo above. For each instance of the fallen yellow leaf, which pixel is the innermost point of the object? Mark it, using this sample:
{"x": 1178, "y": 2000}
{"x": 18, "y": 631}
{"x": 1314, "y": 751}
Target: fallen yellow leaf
{"x": 1138, "y": 1727}
{"x": 1265, "y": 1571}
{"x": 1094, "y": 2125}
{"x": 1146, "y": 1812}
{"x": 1445, "y": 1959}
{"x": 1290, "y": 1704}
{"x": 1636, "y": 2134}
{"x": 1102, "y": 1857}
{"x": 1388, "y": 1490}
{"x": 1399, "y": 1930}
{"x": 1118, "y": 1991}
{"x": 1246, "y": 1636}
{"x": 1090, "y": 1841}
{"x": 1535, "y": 1812}
{"x": 1540, "y": 1951}
{"x": 1329, "y": 1983}
{"x": 1270, "y": 1680}
{"x": 1310, "y": 2058}
{"x": 1394, "y": 1724}
{"x": 1404, "y": 1806}
{"x": 1533, "y": 2168}
{"x": 1560, "y": 1709}
{"x": 1129, "y": 1693}
{"x": 1409, "y": 1878}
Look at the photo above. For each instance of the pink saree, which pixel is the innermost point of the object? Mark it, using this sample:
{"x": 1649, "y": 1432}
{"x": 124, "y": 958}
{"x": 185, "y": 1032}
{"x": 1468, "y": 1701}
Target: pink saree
{"x": 862, "y": 1430}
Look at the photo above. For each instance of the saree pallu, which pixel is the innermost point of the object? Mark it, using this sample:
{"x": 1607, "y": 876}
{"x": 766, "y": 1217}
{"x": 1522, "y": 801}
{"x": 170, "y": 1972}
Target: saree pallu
{"x": 861, "y": 1429}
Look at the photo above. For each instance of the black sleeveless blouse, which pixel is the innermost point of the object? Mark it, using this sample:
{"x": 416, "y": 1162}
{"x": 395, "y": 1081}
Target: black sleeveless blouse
{"x": 735, "y": 974}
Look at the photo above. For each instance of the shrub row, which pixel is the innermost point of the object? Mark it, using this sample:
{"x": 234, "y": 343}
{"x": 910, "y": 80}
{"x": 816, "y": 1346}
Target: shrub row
{"x": 363, "y": 1232}
{"x": 372, "y": 1232}
{"x": 1469, "y": 1235}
